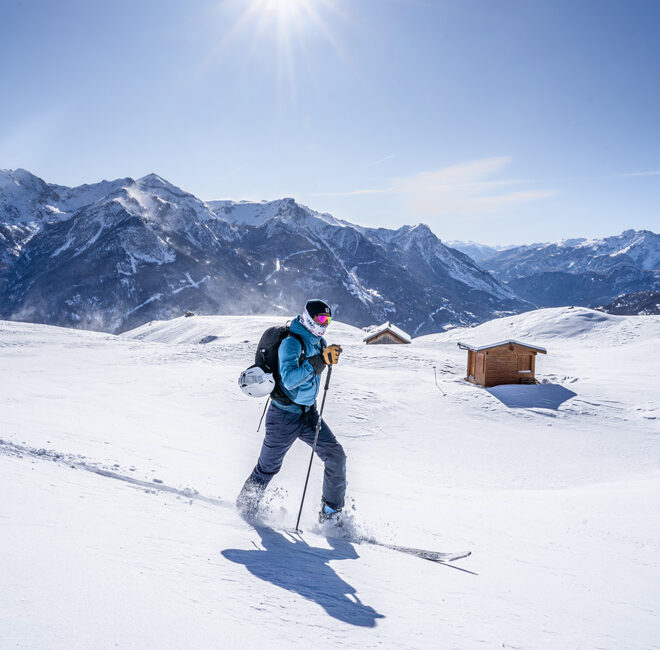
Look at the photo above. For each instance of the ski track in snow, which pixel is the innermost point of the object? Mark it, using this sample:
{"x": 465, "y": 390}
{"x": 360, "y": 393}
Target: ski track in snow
{"x": 554, "y": 488}
{"x": 77, "y": 462}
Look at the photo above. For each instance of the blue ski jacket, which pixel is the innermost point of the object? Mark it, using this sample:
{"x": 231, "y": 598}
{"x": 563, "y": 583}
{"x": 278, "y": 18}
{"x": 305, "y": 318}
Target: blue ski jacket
{"x": 299, "y": 381}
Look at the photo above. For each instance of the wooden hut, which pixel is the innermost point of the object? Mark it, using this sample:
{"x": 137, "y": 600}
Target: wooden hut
{"x": 506, "y": 362}
{"x": 386, "y": 333}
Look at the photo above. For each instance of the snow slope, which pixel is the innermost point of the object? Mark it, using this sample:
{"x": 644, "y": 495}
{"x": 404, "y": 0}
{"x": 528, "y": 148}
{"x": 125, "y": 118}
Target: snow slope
{"x": 120, "y": 458}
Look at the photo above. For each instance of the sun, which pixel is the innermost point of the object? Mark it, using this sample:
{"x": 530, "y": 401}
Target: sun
{"x": 286, "y": 7}
{"x": 278, "y": 33}
{"x": 291, "y": 15}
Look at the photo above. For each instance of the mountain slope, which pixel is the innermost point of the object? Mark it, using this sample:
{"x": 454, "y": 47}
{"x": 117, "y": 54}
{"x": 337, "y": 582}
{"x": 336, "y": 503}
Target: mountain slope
{"x": 580, "y": 271}
{"x": 371, "y": 275}
{"x": 140, "y": 250}
{"x": 128, "y": 506}
{"x": 478, "y": 252}
{"x": 643, "y": 303}
{"x": 26, "y": 204}
{"x": 120, "y": 253}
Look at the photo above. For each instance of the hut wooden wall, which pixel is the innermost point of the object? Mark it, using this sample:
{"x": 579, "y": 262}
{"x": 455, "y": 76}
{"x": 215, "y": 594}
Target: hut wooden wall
{"x": 501, "y": 367}
{"x": 480, "y": 368}
{"x": 507, "y": 364}
{"x": 471, "y": 365}
{"x": 385, "y": 337}
{"x": 504, "y": 363}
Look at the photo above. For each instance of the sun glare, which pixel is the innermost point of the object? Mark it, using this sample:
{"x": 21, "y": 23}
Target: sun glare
{"x": 290, "y": 15}
{"x": 285, "y": 6}
{"x": 289, "y": 27}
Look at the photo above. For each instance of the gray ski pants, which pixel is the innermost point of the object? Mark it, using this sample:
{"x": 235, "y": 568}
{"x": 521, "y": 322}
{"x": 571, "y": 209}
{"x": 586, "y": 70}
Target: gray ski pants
{"x": 282, "y": 430}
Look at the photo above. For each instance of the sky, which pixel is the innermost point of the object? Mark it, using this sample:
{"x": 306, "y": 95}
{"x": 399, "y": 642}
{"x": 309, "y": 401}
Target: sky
{"x": 501, "y": 122}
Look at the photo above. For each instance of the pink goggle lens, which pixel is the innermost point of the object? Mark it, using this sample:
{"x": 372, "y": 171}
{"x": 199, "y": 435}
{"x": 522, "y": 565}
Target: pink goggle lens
{"x": 323, "y": 319}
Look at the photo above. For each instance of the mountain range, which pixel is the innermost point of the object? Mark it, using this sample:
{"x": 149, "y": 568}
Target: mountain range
{"x": 586, "y": 272}
{"x": 112, "y": 255}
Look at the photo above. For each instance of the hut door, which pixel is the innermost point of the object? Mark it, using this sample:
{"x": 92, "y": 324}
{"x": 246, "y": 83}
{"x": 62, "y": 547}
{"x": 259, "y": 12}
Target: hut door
{"x": 525, "y": 368}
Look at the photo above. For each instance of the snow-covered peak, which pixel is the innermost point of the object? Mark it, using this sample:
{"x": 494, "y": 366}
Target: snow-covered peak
{"x": 74, "y": 198}
{"x": 641, "y": 246}
{"x": 247, "y": 213}
{"x": 418, "y": 232}
{"x": 567, "y": 243}
{"x": 404, "y": 236}
{"x": 157, "y": 183}
{"x": 251, "y": 213}
{"x": 476, "y": 251}
{"x": 25, "y": 198}
{"x": 636, "y": 249}
{"x": 421, "y": 239}
{"x": 10, "y": 179}
{"x": 155, "y": 199}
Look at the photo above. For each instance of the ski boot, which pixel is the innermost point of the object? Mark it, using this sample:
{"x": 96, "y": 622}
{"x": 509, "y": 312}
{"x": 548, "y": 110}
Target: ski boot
{"x": 249, "y": 500}
{"x": 330, "y": 514}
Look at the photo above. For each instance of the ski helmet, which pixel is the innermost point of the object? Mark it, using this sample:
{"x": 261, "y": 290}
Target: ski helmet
{"x": 256, "y": 383}
{"x": 313, "y": 310}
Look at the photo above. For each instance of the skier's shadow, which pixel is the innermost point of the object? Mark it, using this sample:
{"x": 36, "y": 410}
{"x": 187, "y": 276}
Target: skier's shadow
{"x": 294, "y": 565}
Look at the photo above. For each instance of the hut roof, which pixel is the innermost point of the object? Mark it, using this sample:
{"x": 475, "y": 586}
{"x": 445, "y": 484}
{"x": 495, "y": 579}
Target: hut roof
{"x": 385, "y": 327}
{"x": 466, "y": 346}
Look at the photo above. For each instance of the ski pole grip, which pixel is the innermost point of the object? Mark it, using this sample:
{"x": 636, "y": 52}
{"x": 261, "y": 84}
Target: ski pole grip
{"x": 327, "y": 378}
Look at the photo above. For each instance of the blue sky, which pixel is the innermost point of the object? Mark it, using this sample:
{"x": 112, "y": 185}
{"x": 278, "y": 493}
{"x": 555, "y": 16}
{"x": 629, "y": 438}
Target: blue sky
{"x": 497, "y": 121}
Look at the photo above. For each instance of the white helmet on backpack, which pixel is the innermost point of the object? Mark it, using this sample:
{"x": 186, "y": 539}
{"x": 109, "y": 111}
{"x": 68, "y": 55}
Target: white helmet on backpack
{"x": 256, "y": 383}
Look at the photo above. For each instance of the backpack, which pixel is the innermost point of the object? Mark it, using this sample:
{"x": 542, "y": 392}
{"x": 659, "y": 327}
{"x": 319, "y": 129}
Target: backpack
{"x": 266, "y": 364}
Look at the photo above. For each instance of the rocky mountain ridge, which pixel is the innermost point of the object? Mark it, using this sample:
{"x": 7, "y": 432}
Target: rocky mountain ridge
{"x": 643, "y": 303}
{"x": 115, "y": 254}
{"x": 580, "y": 271}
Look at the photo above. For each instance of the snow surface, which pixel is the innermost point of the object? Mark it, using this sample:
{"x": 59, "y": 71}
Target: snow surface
{"x": 120, "y": 458}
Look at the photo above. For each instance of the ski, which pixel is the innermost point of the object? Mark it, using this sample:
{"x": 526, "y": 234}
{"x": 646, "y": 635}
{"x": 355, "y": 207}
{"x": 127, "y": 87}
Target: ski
{"x": 432, "y": 556}
{"x": 425, "y": 554}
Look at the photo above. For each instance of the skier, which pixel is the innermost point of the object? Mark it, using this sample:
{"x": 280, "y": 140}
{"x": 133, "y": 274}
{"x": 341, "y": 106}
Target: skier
{"x": 299, "y": 371}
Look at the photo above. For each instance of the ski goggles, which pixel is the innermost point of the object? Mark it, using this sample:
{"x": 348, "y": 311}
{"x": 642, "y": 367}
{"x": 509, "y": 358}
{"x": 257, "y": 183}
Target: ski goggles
{"x": 323, "y": 319}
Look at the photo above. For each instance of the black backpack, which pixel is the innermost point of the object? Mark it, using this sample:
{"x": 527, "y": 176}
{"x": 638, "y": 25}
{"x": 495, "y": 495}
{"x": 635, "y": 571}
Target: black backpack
{"x": 266, "y": 357}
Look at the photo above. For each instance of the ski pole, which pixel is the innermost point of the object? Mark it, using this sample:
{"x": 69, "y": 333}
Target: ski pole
{"x": 435, "y": 374}
{"x": 316, "y": 437}
{"x": 264, "y": 413}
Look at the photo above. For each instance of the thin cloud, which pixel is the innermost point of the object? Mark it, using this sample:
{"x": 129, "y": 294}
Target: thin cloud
{"x": 351, "y": 193}
{"x": 379, "y": 161}
{"x": 462, "y": 189}
{"x": 430, "y": 205}
{"x": 452, "y": 177}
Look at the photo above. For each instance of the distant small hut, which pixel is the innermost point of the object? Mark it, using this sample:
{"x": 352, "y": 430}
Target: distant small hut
{"x": 507, "y": 362}
{"x": 386, "y": 333}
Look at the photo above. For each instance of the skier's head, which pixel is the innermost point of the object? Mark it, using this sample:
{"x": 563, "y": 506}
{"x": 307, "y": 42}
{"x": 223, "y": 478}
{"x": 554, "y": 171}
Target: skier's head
{"x": 316, "y": 316}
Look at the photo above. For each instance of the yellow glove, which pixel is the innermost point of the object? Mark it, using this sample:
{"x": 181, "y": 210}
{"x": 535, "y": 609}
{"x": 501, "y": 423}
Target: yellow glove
{"x": 331, "y": 354}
